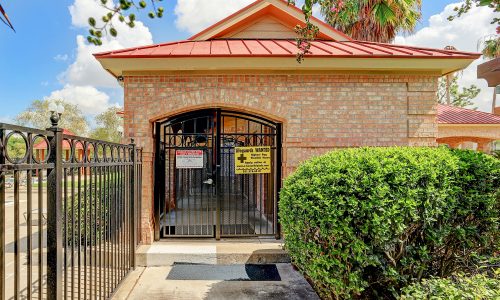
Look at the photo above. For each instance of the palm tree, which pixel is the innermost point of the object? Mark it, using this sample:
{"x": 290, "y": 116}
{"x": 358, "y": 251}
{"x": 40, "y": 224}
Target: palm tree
{"x": 491, "y": 46}
{"x": 4, "y": 18}
{"x": 373, "y": 20}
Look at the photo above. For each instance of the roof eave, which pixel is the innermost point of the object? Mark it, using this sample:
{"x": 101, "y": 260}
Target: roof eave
{"x": 434, "y": 65}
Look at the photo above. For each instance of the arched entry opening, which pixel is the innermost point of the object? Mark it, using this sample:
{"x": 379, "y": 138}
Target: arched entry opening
{"x": 468, "y": 142}
{"x": 217, "y": 174}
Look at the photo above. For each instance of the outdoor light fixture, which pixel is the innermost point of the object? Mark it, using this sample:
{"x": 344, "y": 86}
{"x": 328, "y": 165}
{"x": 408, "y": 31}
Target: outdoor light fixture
{"x": 120, "y": 80}
{"x": 120, "y": 130}
{"x": 56, "y": 111}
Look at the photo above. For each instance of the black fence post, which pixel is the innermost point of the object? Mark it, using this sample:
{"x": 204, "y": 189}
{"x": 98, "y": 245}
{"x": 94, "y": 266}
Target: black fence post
{"x": 279, "y": 170}
{"x": 2, "y": 215}
{"x": 158, "y": 171}
{"x": 133, "y": 183}
{"x": 54, "y": 216}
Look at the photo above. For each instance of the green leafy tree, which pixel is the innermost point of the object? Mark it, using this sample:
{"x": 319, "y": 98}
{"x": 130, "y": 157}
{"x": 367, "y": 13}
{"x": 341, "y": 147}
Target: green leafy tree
{"x": 491, "y": 46}
{"x": 467, "y": 5}
{"x": 16, "y": 148}
{"x": 119, "y": 12}
{"x": 460, "y": 98}
{"x": 109, "y": 126}
{"x": 38, "y": 116}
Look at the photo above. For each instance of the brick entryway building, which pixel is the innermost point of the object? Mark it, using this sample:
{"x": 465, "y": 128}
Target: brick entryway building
{"x": 346, "y": 93}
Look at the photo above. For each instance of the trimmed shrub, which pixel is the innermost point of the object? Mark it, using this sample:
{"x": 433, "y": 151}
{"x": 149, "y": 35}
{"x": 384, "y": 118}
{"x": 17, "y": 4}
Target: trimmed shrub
{"x": 475, "y": 287}
{"x": 363, "y": 223}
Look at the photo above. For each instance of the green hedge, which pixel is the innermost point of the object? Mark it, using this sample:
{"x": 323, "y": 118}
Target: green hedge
{"x": 475, "y": 287}
{"x": 366, "y": 222}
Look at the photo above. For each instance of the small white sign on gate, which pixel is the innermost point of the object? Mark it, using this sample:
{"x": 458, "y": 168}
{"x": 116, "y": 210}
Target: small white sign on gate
{"x": 189, "y": 159}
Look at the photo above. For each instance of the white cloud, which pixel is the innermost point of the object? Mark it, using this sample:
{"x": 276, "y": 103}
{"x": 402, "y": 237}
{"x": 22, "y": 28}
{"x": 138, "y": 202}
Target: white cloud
{"x": 463, "y": 33}
{"x": 84, "y": 75}
{"x": 87, "y": 98}
{"x": 86, "y": 70}
{"x": 82, "y": 10}
{"x": 195, "y": 15}
{"x": 61, "y": 57}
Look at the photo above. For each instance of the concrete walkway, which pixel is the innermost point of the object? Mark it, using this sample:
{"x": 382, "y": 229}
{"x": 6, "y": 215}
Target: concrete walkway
{"x": 151, "y": 283}
{"x": 209, "y": 251}
{"x": 223, "y": 269}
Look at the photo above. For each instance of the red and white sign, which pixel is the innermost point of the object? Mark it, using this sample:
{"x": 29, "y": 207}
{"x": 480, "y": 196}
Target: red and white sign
{"x": 189, "y": 159}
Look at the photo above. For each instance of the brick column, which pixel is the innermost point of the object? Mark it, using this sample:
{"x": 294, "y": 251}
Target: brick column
{"x": 422, "y": 110}
{"x": 147, "y": 198}
{"x": 484, "y": 147}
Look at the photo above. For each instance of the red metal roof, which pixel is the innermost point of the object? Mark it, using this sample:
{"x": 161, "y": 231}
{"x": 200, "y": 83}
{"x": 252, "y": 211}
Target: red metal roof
{"x": 280, "y": 48}
{"x": 448, "y": 114}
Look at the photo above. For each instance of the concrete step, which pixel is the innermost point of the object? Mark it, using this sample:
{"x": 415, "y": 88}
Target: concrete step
{"x": 224, "y": 252}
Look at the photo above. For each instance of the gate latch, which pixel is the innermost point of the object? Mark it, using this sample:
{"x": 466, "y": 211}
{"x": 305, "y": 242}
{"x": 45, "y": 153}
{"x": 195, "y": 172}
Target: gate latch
{"x": 209, "y": 181}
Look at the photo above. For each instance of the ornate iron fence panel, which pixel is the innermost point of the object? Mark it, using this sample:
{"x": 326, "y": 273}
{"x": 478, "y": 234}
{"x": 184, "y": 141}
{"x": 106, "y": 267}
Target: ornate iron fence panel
{"x": 69, "y": 211}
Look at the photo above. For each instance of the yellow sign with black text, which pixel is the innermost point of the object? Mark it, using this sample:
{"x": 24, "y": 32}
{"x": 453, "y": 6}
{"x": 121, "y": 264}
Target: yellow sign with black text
{"x": 252, "y": 160}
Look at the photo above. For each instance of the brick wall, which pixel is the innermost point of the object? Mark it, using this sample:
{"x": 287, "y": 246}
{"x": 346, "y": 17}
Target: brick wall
{"x": 318, "y": 112}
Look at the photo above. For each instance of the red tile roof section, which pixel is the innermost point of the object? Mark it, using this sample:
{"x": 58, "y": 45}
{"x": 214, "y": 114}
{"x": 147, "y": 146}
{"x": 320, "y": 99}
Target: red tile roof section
{"x": 456, "y": 115}
{"x": 281, "y": 48}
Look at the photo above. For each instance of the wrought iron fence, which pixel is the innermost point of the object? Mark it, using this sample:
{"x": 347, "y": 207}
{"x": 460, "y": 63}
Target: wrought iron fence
{"x": 69, "y": 214}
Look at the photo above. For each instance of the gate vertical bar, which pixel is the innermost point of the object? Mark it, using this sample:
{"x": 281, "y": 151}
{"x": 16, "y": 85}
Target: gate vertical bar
{"x": 17, "y": 241}
{"x": 279, "y": 171}
{"x": 29, "y": 241}
{"x": 133, "y": 180}
{"x": 158, "y": 191}
{"x": 2, "y": 216}
{"x": 54, "y": 226}
{"x": 218, "y": 187}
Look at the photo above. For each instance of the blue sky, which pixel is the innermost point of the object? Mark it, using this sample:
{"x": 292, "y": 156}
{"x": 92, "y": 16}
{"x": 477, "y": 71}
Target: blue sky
{"x": 35, "y": 58}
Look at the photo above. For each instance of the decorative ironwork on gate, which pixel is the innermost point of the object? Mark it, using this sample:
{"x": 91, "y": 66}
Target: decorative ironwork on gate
{"x": 201, "y": 195}
{"x": 73, "y": 206}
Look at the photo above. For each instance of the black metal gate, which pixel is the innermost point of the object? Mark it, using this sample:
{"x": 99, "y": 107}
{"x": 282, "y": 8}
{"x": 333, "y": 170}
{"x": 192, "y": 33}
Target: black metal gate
{"x": 198, "y": 193}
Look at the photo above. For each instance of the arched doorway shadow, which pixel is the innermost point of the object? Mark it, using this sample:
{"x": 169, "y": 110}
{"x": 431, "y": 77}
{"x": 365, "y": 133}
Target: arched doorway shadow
{"x": 217, "y": 174}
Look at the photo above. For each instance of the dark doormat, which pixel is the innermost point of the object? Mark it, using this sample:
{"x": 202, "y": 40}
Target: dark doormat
{"x": 248, "y": 272}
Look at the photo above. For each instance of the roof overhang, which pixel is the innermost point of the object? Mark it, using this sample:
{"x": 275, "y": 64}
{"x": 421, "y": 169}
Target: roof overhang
{"x": 214, "y": 50}
{"x": 490, "y": 71}
{"x": 438, "y": 66}
{"x": 280, "y": 9}
{"x": 478, "y": 131}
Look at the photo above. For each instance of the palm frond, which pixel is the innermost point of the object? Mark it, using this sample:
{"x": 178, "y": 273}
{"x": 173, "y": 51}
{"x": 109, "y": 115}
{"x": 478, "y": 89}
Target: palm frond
{"x": 5, "y": 19}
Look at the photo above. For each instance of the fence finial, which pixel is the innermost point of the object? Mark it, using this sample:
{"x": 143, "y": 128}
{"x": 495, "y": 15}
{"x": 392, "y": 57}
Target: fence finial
{"x": 132, "y": 141}
{"x": 56, "y": 112}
